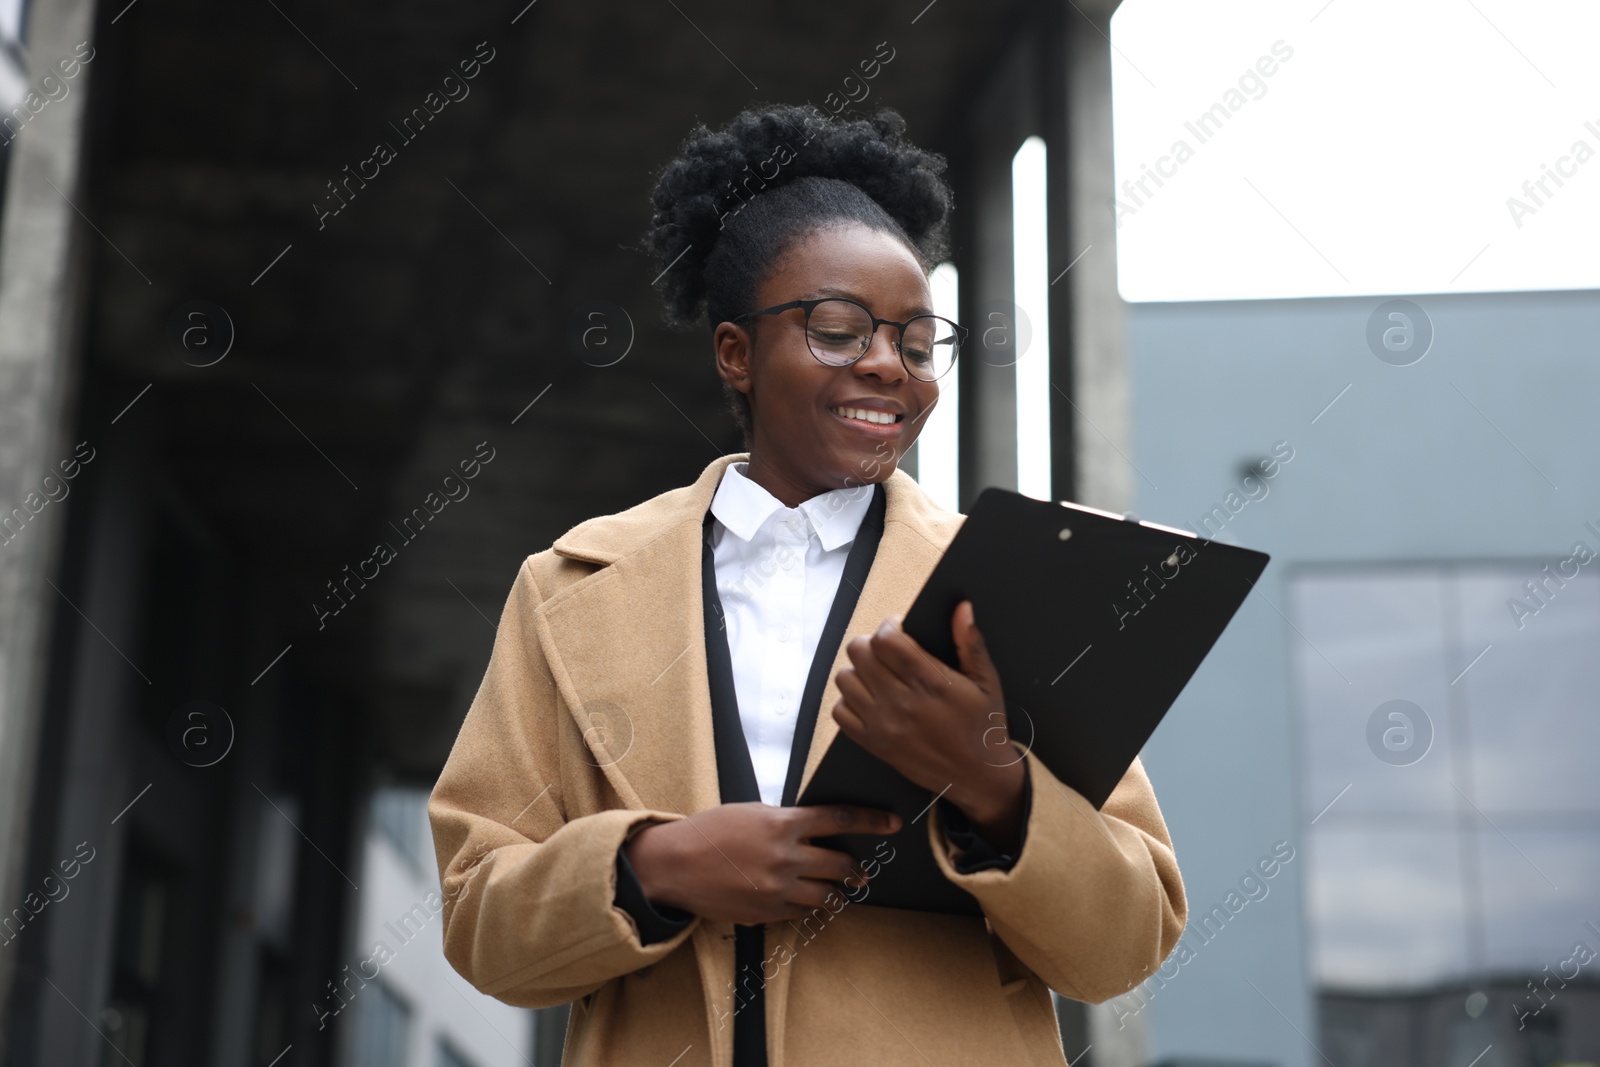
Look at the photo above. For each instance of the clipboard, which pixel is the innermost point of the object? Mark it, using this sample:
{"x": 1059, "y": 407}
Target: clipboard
{"x": 1095, "y": 623}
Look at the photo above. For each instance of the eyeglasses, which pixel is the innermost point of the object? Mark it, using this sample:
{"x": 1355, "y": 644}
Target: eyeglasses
{"x": 839, "y": 332}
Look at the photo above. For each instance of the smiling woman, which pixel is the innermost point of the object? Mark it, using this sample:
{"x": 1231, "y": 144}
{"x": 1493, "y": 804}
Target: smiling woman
{"x": 861, "y": 177}
{"x": 729, "y": 630}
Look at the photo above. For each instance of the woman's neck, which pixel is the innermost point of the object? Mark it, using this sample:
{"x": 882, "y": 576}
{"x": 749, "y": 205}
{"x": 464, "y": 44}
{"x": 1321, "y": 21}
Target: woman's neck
{"x": 790, "y": 490}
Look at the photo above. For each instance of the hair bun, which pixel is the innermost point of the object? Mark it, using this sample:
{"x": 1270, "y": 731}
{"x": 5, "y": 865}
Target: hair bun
{"x": 717, "y": 172}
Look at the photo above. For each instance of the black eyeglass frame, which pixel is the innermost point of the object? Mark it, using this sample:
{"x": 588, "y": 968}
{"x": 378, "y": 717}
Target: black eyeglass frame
{"x": 961, "y": 331}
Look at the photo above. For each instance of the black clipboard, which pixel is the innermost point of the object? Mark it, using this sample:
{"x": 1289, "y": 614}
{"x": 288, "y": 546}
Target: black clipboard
{"x": 1095, "y": 622}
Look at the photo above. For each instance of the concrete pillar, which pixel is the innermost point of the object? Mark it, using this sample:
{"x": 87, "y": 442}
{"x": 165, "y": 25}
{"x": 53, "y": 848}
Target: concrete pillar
{"x": 1101, "y": 417}
{"x": 999, "y": 119}
{"x": 1102, "y": 429}
{"x": 41, "y": 238}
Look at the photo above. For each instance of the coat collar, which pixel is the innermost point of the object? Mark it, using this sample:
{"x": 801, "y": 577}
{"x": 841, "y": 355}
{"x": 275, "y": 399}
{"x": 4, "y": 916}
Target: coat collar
{"x": 607, "y": 538}
{"x": 626, "y": 644}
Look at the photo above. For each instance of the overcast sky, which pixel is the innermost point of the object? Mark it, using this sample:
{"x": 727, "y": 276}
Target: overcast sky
{"x": 1377, "y": 158}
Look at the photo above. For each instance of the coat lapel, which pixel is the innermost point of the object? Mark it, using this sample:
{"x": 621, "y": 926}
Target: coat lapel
{"x": 629, "y": 641}
{"x": 626, "y": 644}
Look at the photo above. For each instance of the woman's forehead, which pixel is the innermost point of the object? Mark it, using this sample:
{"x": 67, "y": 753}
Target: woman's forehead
{"x": 849, "y": 260}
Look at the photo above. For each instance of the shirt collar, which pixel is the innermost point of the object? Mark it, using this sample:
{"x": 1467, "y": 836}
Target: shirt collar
{"x": 743, "y": 507}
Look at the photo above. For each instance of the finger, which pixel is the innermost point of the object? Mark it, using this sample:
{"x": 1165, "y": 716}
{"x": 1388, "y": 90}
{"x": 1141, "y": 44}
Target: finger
{"x": 832, "y": 894}
{"x": 811, "y": 895}
{"x": 824, "y": 864}
{"x": 826, "y": 820}
{"x": 853, "y": 726}
{"x": 853, "y": 691}
{"x": 907, "y": 660}
{"x": 856, "y": 887}
{"x": 884, "y": 683}
{"x": 857, "y": 878}
{"x": 971, "y": 649}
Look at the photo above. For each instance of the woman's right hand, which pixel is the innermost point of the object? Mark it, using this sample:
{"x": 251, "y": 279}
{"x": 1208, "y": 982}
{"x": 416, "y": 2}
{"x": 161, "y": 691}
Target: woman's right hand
{"x": 751, "y": 863}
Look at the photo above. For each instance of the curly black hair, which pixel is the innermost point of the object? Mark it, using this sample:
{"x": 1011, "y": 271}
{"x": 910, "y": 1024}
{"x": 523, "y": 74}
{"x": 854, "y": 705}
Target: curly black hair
{"x": 715, "y": 239}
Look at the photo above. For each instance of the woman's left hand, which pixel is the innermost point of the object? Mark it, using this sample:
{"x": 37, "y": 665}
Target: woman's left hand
{"x": 946, "y": 731}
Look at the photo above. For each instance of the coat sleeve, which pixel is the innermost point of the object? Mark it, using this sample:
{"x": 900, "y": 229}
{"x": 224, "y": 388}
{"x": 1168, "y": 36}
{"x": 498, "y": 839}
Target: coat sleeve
{"x": 528, "y": 893}
{"x": 1094, "y": 902}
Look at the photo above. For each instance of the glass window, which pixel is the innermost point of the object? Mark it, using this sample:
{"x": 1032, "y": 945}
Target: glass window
{"x": 1451, "y": 809}
{"x": 449, "y": 1056}
{"x": 401, "y": 816}
{"x": 383, "y": 1028}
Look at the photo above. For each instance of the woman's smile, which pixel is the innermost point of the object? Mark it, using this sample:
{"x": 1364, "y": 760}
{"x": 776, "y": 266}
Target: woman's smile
{"x": 878, "y": 422}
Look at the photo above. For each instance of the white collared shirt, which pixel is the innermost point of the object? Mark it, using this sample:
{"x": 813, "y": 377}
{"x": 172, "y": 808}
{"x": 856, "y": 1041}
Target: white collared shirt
{"x": 777, "y": 570}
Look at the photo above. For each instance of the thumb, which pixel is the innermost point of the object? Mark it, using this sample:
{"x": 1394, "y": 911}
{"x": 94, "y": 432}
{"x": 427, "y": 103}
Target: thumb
{"x": 971, "y": 649}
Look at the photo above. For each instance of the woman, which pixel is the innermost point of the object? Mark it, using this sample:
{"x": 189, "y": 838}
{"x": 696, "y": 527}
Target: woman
{"x": 615, "y": 825}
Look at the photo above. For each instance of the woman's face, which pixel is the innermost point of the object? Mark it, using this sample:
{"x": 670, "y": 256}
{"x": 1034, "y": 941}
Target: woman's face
{"x": 801, "y": 443}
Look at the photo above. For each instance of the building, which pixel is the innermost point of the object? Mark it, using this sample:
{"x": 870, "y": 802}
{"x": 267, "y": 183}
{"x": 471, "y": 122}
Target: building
{"x": 233, "y": 356}
{"x": 229, "y": 362}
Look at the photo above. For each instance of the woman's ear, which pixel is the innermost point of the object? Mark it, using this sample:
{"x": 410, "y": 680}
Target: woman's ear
{"x": 732, "y": 346}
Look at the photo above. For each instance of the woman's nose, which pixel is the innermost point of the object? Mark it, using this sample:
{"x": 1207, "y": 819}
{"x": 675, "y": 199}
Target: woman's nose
{"x": 881, "y": 357}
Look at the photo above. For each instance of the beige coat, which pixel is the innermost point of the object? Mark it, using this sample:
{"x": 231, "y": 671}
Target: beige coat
{"x": 594, "y": 718}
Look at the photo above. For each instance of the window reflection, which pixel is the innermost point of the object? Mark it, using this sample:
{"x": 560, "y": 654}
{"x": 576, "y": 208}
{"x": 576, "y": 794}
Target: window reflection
{"x": 1450, "y": 893}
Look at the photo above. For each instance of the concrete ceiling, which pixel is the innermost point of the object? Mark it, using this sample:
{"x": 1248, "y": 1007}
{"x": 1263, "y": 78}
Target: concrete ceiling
{"x": 374, "y": 353}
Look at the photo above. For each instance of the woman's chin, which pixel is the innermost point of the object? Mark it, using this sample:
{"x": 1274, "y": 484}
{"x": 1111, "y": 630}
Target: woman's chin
{"x": 865, "y": 466}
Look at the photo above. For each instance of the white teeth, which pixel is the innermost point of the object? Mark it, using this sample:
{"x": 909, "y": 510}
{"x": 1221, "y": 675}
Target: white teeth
{"x": 882, "y": 418}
